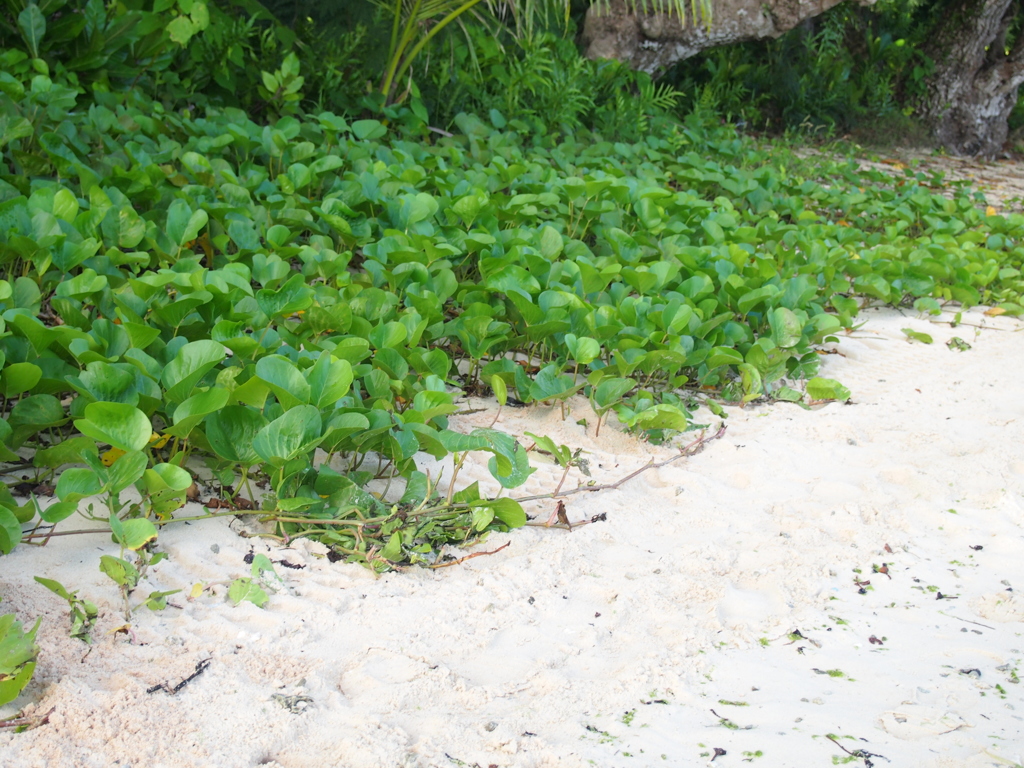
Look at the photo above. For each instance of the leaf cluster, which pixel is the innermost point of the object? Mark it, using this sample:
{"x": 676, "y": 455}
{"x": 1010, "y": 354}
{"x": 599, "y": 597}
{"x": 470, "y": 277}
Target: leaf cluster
{"x": 18, "y": 652}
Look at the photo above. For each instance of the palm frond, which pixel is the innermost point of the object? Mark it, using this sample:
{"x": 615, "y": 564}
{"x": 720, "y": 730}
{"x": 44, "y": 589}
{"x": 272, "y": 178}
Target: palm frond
{"x": 695, "y": 10}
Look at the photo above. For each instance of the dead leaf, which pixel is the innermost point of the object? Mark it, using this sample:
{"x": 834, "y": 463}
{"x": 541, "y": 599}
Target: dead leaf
{"x": 563, "y": 517}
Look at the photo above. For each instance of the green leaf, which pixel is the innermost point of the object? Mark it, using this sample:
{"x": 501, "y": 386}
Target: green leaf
{"x": 550, "y": 243}
{"x": 500, "y": 389}
{"x": 913, "y": 335}
{"x": 122, "y": 572}
{"x": 294, "y": 433}
{"x": 561, "y": 454}
{"x": 181, "y": 29}
{"x": 291, "y": 297}
{"x": 468, "y": 208}
{"x": 387, "y": 335}
{"x": 752, "y": 299}
{"x": 54, "y": 586}
{"x": 509, "y": 511}
{"x": 482, "y": 516}
{"x": 284, "y": 380}
{"x": 714, "y": 230}
{"x": 609, "y": 392}
{"x": 341, "y": 425}
{"x": 585, "y": 350}
{"x": 167, "y": 476}
{"x": 551, "y": 384}
{"x": 183, "y": 225}
{"x": 786, "y": 328}
{"x": 455, "y": 442}
{"x": 329, "y": 380}
{"x": 788, "y": 394}
{"x": 19, "y": 377}
{"x": 165, "y": 486}
{"x": 32, "y": 414}
{"x": 123, "y": 227}
{"x": 121, "y": 425}
{"x": 193, "y": 361}
{"x": 32, "y": 24}
{"x": 76, "y": 484}
{"x": 231, "y": 432}
{"x": 107, "y": 382}
{"x": 368, "y": 130}
{"x": 393, "y": 549}
{"x": 18, "y": 650}
{"x": 11, "y": 687}
{"x": 510, "y": 465}
{"x": 136, "y": 533}
{"x": 188, "y": 415}
{"x": 827, "y": 389}
{"x": 723, "y": 356}
{"x": 60, "y": 510}
{"x": 126, "y": 470}
{"x": 10, "y": 531}
{"x": 261, "y": 564}
{"x": 157, "y": 601}
{"x": 661, "y": 416}
{"x": 13, "y": 127}
{"x": 246, "y": 590}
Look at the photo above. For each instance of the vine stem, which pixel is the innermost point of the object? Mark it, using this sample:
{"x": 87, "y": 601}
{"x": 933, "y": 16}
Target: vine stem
{"x": 449, "y": 507}
{"x": 690, "y": 450}
{"x": 455, "y": 474}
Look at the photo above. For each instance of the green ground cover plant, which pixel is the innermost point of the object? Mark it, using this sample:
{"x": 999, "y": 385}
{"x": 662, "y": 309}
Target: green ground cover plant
{"x": 301, "y": 303}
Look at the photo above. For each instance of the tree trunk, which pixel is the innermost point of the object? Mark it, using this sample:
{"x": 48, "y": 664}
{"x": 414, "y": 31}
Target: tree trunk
{"x": 652, "y": 41}
{"x": 974, "y": 86}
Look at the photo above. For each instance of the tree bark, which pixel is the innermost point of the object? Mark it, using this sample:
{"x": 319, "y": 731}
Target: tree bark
{"x": 975, "y": 83}
{"x": 652, "y": 41}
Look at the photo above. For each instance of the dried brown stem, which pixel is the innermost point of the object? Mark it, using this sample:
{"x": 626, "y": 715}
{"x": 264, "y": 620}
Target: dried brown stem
{"x": 690, "y": 450}
{"x": 469, "y": 557}
{"x": 29, "y": 722}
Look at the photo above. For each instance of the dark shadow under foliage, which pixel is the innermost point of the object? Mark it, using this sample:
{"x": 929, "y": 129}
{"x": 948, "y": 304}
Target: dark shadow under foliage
{"x": 845, "y": 70}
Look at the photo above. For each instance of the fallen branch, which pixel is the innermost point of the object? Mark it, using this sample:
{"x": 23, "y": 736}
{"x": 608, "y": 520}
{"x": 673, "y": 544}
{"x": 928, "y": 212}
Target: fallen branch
{"x": 568, "y": 526}
{"x": 461, "y": 560}
{"x": 951, "y": 324}
{"x": 200, "y": 668}
{"x": 28, "y": 722}
{"x": 51, "y": 534}
{"x": 976, "y": 623}
{"x": 690, "y": 450}
{"x": 858, "y": 753}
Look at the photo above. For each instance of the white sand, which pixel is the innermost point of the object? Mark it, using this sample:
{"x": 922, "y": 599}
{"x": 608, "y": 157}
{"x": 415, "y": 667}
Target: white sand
{"x": 611, "y": 645}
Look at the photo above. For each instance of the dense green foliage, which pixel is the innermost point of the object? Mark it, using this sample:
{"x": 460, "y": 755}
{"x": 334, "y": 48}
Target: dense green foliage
{"x": 243, "y": 294}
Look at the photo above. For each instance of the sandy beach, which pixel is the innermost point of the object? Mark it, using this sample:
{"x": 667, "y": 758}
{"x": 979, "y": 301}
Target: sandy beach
{"x": 840, "y": 584}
